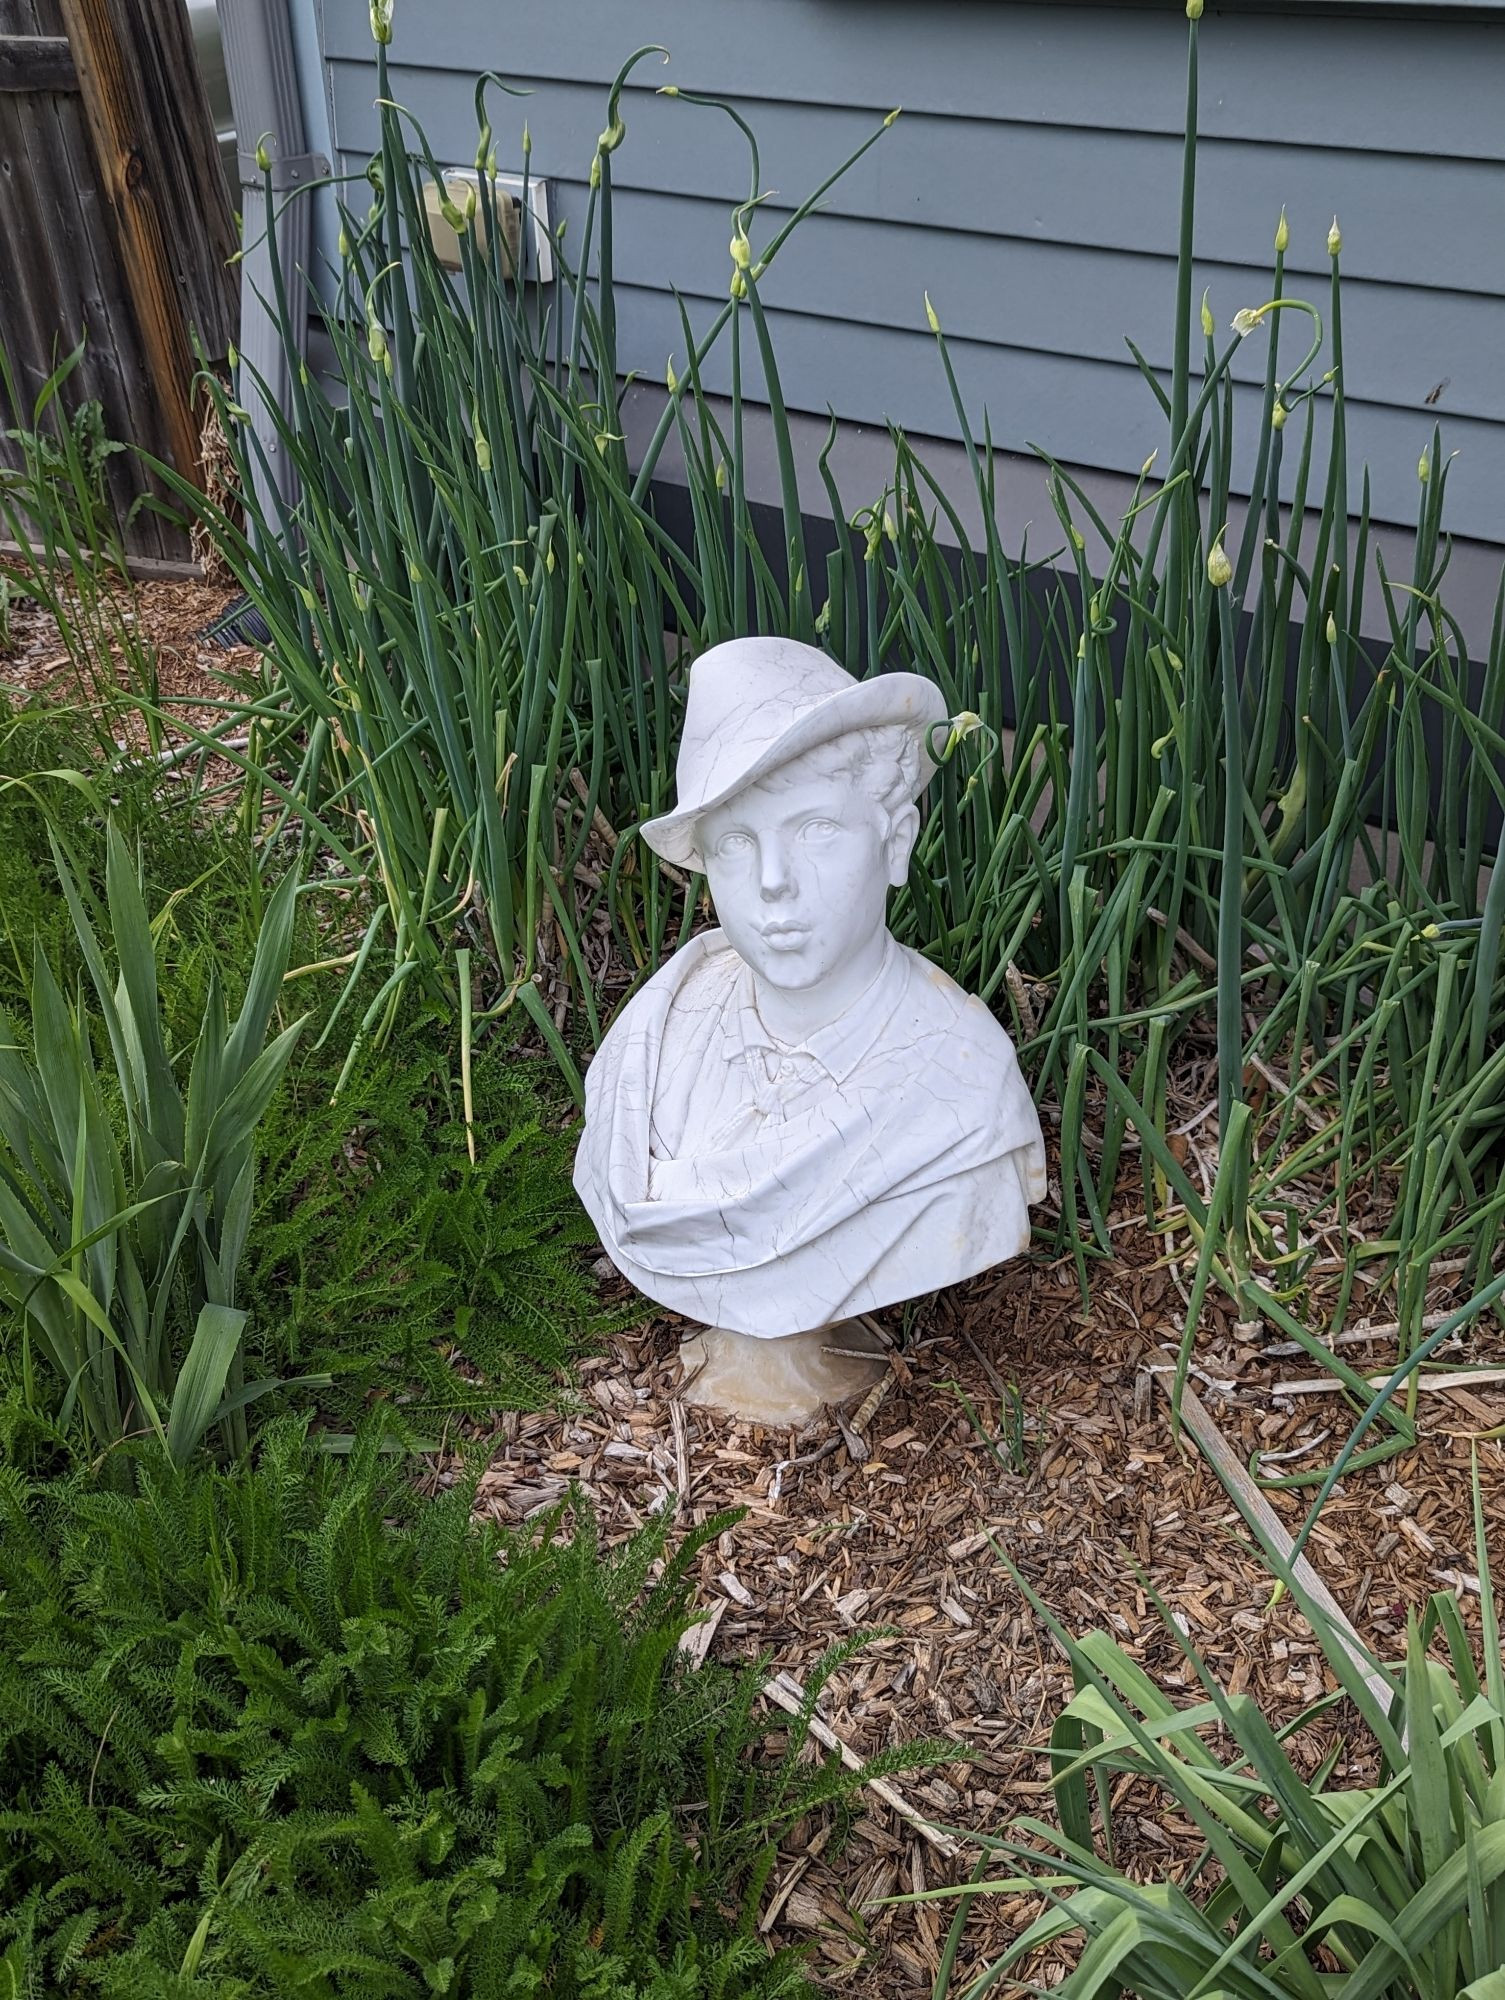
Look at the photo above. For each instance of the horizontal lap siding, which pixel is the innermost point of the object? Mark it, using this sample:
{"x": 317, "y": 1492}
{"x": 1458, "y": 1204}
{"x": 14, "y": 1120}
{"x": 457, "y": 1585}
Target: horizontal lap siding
{"x": 1031, "y": 187}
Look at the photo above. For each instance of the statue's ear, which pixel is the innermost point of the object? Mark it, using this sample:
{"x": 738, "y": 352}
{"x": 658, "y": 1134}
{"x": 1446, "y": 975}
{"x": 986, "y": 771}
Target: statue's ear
{"x": 903, "y": 830}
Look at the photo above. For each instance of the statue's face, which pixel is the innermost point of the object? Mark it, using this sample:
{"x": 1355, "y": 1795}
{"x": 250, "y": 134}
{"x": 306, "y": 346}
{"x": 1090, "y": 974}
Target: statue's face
{"x": 799, "y": 868}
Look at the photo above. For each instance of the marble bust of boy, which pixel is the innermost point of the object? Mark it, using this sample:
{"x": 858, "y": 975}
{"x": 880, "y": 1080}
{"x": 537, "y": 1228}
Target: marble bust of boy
{"x": 797, "y": 1118}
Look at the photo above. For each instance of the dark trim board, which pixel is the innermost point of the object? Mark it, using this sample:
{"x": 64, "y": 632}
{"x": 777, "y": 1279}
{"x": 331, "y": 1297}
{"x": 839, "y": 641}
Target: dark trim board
{"x": 672, "y": 508}
{"x": 862, "y": 462}
{"x": 37, "y": 62}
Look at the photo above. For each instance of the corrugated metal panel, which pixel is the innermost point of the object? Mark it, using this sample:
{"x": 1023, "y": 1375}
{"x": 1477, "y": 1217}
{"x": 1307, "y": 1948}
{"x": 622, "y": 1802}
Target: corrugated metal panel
{"x": 1032, "y": 188}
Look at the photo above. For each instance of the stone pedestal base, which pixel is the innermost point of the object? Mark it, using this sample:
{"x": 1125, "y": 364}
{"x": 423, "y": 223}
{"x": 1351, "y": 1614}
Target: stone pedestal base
{"x": 783, "y": 1381}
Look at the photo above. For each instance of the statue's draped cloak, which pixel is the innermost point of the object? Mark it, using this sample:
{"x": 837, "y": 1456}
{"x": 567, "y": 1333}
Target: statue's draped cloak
{"x": 900, "y": 1154}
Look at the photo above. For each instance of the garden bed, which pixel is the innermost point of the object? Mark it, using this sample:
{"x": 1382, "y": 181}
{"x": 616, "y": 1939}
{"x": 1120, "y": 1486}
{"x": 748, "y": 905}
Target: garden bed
{"x": 1184, "y": 839}
{"x": 1012, "y": 1414}
{"x": 894, "y": 1529}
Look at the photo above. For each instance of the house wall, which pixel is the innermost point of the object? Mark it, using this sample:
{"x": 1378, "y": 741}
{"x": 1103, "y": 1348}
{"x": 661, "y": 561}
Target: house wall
{"x": 1031, "y": 187}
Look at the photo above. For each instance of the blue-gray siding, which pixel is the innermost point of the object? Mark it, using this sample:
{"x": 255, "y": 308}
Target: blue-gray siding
{"x": 1031, "y": 186}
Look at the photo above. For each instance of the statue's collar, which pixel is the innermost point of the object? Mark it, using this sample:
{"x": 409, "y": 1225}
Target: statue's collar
{"x": 841, "y": 1044}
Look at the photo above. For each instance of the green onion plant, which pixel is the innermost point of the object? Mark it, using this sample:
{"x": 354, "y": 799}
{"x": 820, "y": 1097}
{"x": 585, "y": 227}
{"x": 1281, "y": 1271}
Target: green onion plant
{"x": 1186, "y": 793}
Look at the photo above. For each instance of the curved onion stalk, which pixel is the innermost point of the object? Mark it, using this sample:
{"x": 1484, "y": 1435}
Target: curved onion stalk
{"x": 1192, "y": 804}
{"x": 472, "y": 604}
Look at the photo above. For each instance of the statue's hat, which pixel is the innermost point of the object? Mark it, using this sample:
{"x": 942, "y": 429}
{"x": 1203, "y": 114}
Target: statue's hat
{"x": 755, "y": 704}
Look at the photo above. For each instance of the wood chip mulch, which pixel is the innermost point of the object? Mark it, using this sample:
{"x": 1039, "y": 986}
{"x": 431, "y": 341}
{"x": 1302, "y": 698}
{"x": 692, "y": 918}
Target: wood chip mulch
{"x": 1090, "y": 1496}
{"x": 192, "y": 677}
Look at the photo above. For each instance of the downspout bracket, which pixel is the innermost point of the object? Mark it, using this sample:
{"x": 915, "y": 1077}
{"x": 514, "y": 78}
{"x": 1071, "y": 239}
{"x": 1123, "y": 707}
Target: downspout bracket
{"x": 289, "y": 170}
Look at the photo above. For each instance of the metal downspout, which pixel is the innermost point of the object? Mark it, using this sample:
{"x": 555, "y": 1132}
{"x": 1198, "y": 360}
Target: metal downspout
{"x": 268, "y": 108}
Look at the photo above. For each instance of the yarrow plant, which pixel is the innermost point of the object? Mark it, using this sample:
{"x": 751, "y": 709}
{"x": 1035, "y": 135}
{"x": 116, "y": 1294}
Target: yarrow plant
{"x": 365, "y": 1747}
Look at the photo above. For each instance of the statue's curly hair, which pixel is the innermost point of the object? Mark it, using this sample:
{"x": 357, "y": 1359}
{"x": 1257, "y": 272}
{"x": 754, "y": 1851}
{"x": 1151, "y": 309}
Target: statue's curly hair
{"x": 884, "y": 762}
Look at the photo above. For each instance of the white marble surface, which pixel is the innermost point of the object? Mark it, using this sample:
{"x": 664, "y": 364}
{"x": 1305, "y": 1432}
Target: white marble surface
{"x": 798, "y": 1119}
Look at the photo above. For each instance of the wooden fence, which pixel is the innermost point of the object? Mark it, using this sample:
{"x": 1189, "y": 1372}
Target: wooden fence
{"x": 115, "y": 229}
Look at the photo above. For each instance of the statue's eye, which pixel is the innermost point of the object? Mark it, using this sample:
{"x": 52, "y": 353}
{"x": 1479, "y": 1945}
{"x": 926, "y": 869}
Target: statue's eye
{"x": 734, "y": 843}
{"x": 820, "y": 829}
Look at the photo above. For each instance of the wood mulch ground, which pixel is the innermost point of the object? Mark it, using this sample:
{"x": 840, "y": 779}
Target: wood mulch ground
{"x": 162, "y": 621}
{"x": 1089, "y": 1495}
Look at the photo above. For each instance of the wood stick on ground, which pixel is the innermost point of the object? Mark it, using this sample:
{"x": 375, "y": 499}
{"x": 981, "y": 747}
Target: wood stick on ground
{"x": 1185, "y": 939}
{"x": 1000, "y": 1387}
{"x": 781, "y": 1895}
{"x": 1302, "y": 1450}
{"x": 1326, "y": 1385}
{"x": 1314, "y": 1120}
{"x": 681, "y": 1454}
{"x": 1253, "y": 1505}
{"x": 861, "y": 1417}
{"x": 1354, "y": 1335}
{"x": 786, "y": 1693}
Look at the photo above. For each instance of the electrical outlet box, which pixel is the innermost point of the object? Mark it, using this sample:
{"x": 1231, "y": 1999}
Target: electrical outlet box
{"x": 509, "y": 214}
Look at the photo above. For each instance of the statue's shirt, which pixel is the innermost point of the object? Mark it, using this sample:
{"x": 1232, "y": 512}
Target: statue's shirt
{"x": 771, "y": 1189}
{"x": 738, "y": 1101}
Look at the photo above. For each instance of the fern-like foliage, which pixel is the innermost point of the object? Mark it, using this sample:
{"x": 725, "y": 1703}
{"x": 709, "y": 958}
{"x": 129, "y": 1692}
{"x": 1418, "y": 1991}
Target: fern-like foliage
{"x": 384, "y": 1256}
{"x": 283, "y": 1730}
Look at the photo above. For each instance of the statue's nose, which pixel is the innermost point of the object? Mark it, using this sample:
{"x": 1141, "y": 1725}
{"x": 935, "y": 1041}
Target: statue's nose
{"x": 775, "y": 877}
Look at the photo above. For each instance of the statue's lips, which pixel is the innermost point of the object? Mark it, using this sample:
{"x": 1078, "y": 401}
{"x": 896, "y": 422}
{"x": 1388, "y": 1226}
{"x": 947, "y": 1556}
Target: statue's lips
{"x": 786, "y": 936}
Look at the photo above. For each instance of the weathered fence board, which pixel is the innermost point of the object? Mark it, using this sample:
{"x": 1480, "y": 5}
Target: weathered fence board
{"x": 115, "y": 228}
